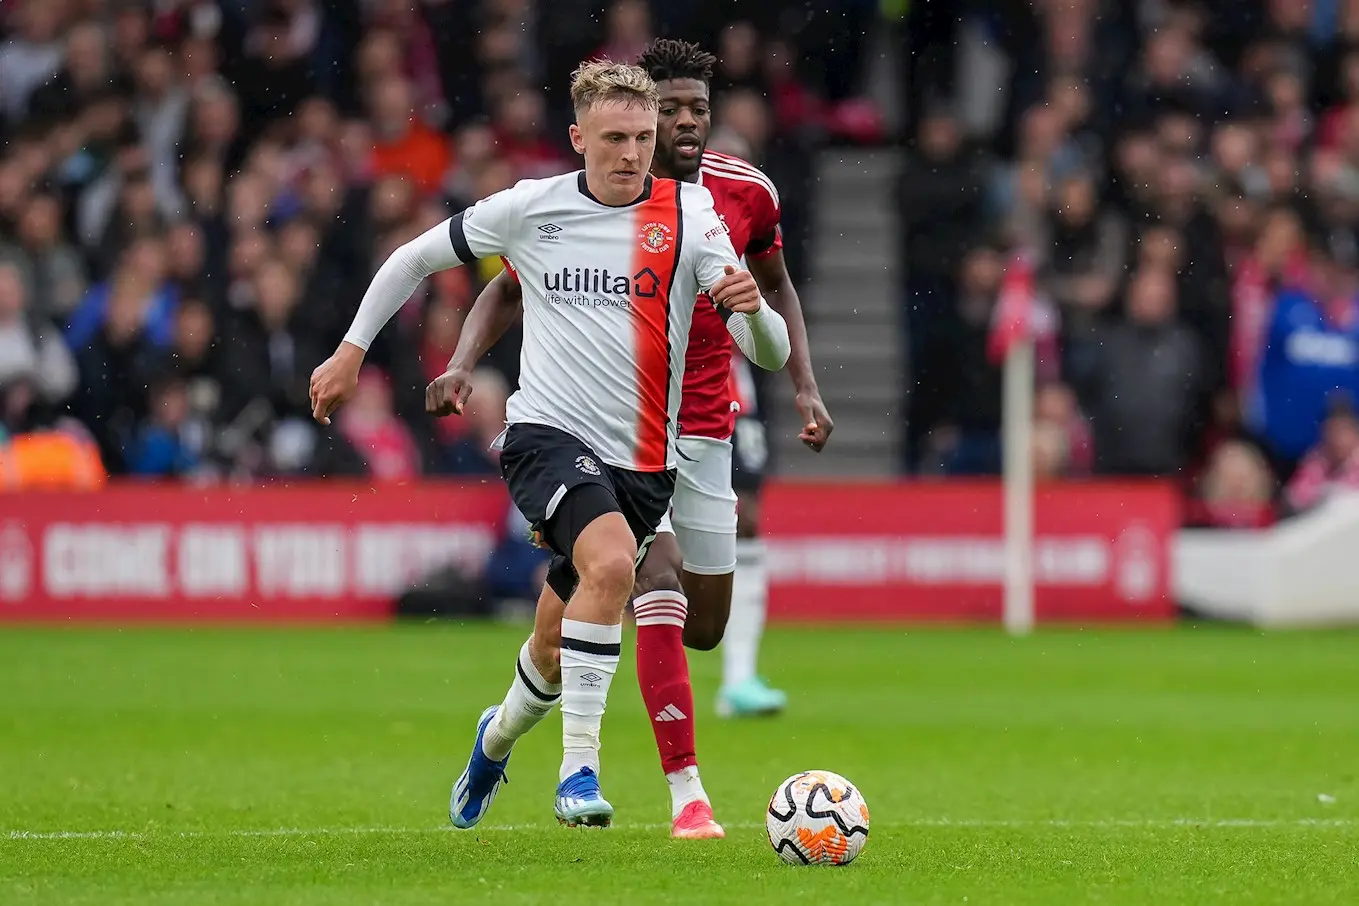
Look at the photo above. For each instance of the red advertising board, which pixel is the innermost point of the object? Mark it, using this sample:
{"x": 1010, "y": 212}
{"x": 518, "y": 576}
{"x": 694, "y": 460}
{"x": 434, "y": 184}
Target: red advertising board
{"x": 880, "y": 551}
{"x": 936, "y": 551}
{"x": 166, "y": 552}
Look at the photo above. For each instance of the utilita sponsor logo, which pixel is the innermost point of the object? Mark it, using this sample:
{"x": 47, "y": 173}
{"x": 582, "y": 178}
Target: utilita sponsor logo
{"x": 599, "y": 281}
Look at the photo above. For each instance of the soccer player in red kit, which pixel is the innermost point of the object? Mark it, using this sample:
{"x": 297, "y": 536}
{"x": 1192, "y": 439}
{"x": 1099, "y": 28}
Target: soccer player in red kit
{"x": 684, "y": 590}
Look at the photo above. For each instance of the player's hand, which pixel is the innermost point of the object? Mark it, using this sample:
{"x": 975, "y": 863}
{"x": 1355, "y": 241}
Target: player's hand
{"x": 736, "y": 291}
{"x": 334, "y": 381}
{"x": 448, "y": 393}
{"x": 816, "y": 421}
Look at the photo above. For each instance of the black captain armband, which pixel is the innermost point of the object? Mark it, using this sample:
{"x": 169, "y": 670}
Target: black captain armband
{"x": 758, "y": 245}
{"x": 458, "y": 237}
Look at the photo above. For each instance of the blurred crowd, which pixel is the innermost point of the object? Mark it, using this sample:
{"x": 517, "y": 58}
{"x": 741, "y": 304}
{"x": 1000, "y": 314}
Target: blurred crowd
{"x": 195, "y": 193}
{"x": 1181, "y": 179}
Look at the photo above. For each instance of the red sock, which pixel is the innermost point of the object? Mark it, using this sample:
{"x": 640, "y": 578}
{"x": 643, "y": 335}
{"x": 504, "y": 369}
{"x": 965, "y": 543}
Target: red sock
{"x": 663, "y": 673}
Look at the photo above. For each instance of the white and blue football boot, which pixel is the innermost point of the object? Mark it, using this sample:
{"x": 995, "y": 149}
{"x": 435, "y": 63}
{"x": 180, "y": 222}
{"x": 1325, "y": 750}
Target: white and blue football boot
{"x": 480, "y": 781}
{"x": 579, "y": 802}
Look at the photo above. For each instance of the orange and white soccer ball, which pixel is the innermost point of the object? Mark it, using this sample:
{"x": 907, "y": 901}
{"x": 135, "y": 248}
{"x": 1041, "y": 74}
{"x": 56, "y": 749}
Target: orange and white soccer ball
{"x": 817, "y": 818}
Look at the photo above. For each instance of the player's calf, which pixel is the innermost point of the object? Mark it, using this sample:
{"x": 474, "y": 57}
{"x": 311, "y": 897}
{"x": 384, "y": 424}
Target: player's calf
{"x": 592, "y": 631}
{"x": 709, "y": 607}
{"x": 530, "y": 698}
{"x": 545, "y": 645}
{"x": 661, "y": 610}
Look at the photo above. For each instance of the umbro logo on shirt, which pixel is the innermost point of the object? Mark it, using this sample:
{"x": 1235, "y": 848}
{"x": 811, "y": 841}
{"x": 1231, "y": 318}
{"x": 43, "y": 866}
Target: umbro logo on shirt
{"x": 548, "y": 232}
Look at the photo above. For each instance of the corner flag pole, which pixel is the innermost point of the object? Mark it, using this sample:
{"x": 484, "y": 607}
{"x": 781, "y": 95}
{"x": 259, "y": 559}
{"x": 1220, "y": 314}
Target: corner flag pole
{"x": 1017, "y": 443}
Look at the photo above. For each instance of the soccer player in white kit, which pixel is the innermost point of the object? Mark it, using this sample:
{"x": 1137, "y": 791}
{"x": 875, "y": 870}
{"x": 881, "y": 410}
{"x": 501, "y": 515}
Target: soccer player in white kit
{"x": 589, "y": 452}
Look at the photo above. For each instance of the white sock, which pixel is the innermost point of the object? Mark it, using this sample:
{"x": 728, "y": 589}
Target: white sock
{"x": 749, "y": 592}
{"x": 530, "y": 699}
{"x": 589, "y": 661}
{"x": 685, "y": 787}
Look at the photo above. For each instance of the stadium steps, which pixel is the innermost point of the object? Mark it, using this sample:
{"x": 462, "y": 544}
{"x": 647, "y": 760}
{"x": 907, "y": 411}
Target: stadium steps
{"x": 851, "y": 304}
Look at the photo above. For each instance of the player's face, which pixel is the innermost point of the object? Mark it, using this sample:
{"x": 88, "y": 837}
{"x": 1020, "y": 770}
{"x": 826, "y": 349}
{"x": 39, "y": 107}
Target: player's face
{"x": 618, "y": 141}
{"x": 682, "y": 127}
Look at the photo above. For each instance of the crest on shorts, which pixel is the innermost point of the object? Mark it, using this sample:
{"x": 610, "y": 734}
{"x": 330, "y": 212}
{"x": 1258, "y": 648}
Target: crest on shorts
{"x": 587, "y": 465}
{"x": 656, "y": 237}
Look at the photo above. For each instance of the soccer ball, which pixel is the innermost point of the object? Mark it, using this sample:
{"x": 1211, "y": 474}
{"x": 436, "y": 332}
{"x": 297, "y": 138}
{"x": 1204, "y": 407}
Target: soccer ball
{"x": 817, "y": 818}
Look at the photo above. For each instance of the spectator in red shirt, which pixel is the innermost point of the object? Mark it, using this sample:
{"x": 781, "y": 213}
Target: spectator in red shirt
{"x": 520, "y": 126}
{"x": 374, "y": 430}
{"x": 1055, "y": 405}
{"x": 628, "y": 30}
{"x": 1236, "y": 490}
{"x": 403, "y": 144}
{"x": 1332, "y": 465}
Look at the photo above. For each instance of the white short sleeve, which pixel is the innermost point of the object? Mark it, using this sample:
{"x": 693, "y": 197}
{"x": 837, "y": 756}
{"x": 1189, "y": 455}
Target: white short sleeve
{"x": 710, "y": 246}
{"x": 484, "y": 229}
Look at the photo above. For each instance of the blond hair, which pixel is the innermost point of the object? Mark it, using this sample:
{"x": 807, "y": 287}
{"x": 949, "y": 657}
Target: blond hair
{"x": 601, "y": 81}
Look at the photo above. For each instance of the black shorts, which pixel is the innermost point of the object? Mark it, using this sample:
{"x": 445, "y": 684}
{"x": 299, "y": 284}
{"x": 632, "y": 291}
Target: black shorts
{"x": 749, "y": 455}
{"x": 543, "y": 465}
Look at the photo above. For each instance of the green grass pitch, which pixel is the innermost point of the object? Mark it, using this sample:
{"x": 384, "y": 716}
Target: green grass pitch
{"x": 306, "y": 766}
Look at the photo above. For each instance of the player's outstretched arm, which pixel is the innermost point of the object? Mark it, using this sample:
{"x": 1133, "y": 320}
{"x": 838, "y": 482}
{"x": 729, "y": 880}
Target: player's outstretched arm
{"x": 760, "y": 332}
{"x": 490, "y": 316}
{"x": 334, "y": 380}
{"x": 771, "y": 273}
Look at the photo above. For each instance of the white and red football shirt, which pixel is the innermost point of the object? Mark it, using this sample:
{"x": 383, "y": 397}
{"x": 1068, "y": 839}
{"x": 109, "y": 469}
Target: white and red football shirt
{"x": 748, "y": 205}
{"x": 608, "y": 303}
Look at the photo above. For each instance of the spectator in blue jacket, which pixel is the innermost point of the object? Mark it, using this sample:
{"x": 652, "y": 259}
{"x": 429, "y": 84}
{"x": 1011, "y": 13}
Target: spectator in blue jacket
{"x": 1311, "y": 351}
{"x": 146, "y": 266}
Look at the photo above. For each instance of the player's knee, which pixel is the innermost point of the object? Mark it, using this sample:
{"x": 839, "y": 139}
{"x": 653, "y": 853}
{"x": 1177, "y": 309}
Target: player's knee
{"x": 609, "y": 572}
{"x": 702, "y": 632}
{"x": 605, "y": 557}
{"x": 660, "y": 570}
{"x": 666, "y": 579}
{"x": 657, "y": 573}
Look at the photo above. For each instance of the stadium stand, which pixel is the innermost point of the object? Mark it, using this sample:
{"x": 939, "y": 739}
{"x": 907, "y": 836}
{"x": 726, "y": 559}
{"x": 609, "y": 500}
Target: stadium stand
{"x": 194, "y": 193}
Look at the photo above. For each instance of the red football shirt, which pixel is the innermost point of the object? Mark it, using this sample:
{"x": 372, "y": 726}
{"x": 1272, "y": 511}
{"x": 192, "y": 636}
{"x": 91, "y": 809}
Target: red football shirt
{"x": 748, "y": 205}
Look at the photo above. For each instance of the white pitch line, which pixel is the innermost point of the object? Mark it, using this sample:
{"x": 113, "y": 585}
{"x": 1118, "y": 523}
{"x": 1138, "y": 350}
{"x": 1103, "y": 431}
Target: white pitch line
{"x": 982, "y": 823}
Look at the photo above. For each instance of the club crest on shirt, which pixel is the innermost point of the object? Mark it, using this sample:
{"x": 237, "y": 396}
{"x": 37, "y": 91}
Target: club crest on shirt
{"x": 587, "y": 465}
{"x": 656, "y": 237}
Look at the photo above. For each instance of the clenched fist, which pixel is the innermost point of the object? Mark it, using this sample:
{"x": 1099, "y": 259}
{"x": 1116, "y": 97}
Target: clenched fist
{"x": 736, "y": 291}
{"x": 817, "y": 421}
{"x": 334, "y": 381}
{"x": 448, "y": 393}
